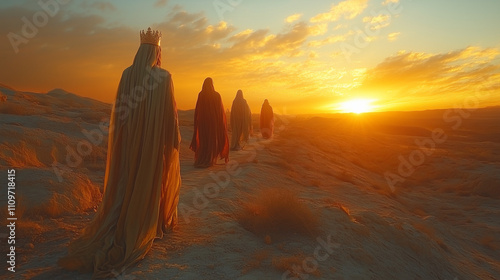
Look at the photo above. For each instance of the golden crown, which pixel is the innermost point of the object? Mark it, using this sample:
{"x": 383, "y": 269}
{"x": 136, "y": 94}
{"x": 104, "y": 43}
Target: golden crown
{"x": 150, "y": 37}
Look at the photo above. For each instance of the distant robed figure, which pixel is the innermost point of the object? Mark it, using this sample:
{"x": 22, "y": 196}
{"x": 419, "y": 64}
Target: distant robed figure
{"x": 210, "y": 139}
{"x": 241, "y": 122}
{"x": 142, "y": 179}
{"x": 266, "y": 120}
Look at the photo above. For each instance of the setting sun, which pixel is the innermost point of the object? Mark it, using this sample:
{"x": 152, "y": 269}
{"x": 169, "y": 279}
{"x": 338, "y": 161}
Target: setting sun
{"x": 357, "y": 106}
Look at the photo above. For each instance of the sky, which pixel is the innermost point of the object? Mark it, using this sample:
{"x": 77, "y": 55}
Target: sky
{"x": 303, "y": 56}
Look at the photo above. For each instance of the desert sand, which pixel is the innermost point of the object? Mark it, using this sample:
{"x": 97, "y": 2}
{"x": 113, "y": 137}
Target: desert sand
{"x": 311, "y": 203}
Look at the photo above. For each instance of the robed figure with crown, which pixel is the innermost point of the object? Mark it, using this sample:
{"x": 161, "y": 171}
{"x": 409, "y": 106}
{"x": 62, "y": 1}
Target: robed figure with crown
{"x": 142, "y": 179}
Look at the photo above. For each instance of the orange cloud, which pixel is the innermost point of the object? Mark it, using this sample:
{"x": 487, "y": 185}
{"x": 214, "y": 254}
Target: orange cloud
{"x": 318, "y": 29}
{"x": 293, "y": 18}
{"x": 82, "y": 55}
{"x": 378, "y": 22}
{"x": 332, "y": 39}
{"x": 393, "y": 36}
{"x": 347, "y": 9}
{"x": 435, "y": 80}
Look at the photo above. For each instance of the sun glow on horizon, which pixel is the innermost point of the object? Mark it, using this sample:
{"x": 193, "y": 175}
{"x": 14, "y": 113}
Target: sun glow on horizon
{"x": 357, "y": 106}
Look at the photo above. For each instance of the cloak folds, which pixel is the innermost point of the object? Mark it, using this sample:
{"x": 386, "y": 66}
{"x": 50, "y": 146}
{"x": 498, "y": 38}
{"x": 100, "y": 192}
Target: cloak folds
{"x": 210, "y": 129}
{"x": 142, "y": 179}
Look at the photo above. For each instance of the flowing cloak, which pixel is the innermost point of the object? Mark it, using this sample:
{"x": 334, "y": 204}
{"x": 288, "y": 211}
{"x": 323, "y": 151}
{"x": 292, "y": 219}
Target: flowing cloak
{"x": 266, "y": 120}
{"x": 210, "y": 129}
{"x": 142, "y": 179}
{"x": 241, "y": 121}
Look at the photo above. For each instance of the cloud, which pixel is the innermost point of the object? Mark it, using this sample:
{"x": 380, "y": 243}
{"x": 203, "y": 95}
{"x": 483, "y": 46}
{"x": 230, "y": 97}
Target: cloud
{"x": 76, "y": 53}
{"x": 378, "y": 22}
{"x": 435, "y": 79}
{"x": 260, "y": 44}
{"x": 347, "y": 9}
{"x": 339, "y": 26}
{"x": 393, "y": 36}
{"x": 85, "y": 56}
{"x": 332, "y": 39}
{"x": 318, "y": 29}
{"x": 293, "y": 18}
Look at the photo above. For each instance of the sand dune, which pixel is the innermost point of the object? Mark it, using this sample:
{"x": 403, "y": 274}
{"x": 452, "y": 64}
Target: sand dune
{"x": 439, "y": 222}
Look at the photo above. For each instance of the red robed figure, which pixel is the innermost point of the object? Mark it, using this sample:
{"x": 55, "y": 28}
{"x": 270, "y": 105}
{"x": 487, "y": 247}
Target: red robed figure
{"x": 266, "y": 120}
{"x": 210, "y": 128}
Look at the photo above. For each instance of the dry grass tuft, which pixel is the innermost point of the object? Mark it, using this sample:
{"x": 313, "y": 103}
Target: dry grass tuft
{"x": 345, "y": 210}
{"x": 29, "y": 229}
{"x": 277, "y": 211}
{"x": 20, "y": 156}
{"x": 79, "y": 196}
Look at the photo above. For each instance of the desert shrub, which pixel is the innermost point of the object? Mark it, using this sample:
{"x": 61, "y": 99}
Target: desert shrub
{"x": 277, "y": 211}
{"x": 76, "y": 194}
{"x": 20, "y": 155}
{"x": 29, "y": 229}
